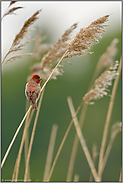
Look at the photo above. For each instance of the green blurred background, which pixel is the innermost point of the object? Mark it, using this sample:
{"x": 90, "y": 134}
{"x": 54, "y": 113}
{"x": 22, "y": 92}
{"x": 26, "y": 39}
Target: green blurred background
{"x": 54, "y": 110}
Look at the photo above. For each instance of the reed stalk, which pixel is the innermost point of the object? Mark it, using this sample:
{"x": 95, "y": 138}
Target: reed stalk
{"x": 106, "y": 127}
{"x": 82, "y": 141}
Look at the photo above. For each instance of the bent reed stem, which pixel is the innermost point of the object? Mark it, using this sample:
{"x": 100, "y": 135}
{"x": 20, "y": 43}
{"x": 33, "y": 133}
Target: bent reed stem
{"x": 76, "y": 140}
{"x": 82, "y": 140}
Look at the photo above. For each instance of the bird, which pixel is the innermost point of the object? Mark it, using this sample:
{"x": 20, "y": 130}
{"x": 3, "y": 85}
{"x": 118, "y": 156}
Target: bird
{"x": 32, "y": 90}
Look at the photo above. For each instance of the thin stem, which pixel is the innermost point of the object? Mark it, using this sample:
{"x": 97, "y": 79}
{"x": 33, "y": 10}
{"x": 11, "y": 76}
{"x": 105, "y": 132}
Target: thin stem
{"x": 104, "y": 138}
{"x": 50, "y": 151}
{"x": 5, "y": 57}
{"x": 17, "y": 164}
{"x": 94, "y": 156}
{"x": 109, "y": 149}
{"x": 18, "y": 129}
{"x": 76, "y": 178}
{"x": 26, "y": 147}
{"x": 82, "y": 141}
{"x": 59, "y": 150}
{"x": 75, "y": 145}
{"x": 32, "y": 137}
{"x": 120, "y": 178}
{"x": 62, "y": 143}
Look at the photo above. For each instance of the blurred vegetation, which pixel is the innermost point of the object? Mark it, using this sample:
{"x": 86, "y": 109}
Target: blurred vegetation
{"x": 55, "y": 110}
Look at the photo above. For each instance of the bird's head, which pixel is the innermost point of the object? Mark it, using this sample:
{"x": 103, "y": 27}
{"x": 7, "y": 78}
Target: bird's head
{"x": 36, "y": 78}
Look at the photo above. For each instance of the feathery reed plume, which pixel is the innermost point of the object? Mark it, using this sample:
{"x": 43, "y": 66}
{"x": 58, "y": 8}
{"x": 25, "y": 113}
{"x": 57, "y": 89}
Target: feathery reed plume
{"x": 24, "y": 29}
{"x": 12, "y": 10}
{"x": 18, "y": 56}
{"x": 12, "y": 2}
{"x": 45, "y": 68}
{"x": 17, "y": 45}
{"x": 99, "y": 89}
{"x": 58, "y": 49}
{"x": 107, "y": 58}
{"x": 87, "y": 37}
{"x": 39, "y": 47}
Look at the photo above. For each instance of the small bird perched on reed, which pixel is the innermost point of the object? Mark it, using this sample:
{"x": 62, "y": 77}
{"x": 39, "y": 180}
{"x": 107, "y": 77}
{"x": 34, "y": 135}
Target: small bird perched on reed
{"x": 32, "y": 90}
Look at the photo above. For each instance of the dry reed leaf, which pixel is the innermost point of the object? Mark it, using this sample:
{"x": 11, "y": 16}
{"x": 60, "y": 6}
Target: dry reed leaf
{"x": 99, "y": 89}
{"x": 87, "y": 37}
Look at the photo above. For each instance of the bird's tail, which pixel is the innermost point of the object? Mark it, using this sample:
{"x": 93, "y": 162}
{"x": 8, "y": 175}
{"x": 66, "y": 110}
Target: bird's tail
{"x": 34, "y": 105}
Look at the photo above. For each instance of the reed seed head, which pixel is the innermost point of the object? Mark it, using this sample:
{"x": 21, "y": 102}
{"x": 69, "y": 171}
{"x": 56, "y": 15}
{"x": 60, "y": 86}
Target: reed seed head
{"x": 87, "y": 37}
{"x": 45, "y": 68}
{"x": 58, "y": 49}
{"x": 25, "y": 27}
{"x": 107, "y": 58}
{"x": 101, "y": 84}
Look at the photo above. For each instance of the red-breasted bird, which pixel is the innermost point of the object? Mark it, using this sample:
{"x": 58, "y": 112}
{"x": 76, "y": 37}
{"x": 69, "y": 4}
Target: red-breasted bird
{"x": 32, "y": 90}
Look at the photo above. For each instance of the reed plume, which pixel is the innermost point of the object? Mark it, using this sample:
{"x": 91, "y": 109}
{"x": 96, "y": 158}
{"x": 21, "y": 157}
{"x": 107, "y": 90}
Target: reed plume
{"x": 12, "y": 10}
{"x": 101, "y": 84}
{"x": 12, "y": 2}
{"x": 87, "y": 37}
{"x": 40, "y": 48}
{"x": 107, "y": 58}
{"x": 17, "y": 45}
{"x": 45, "y": 67}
